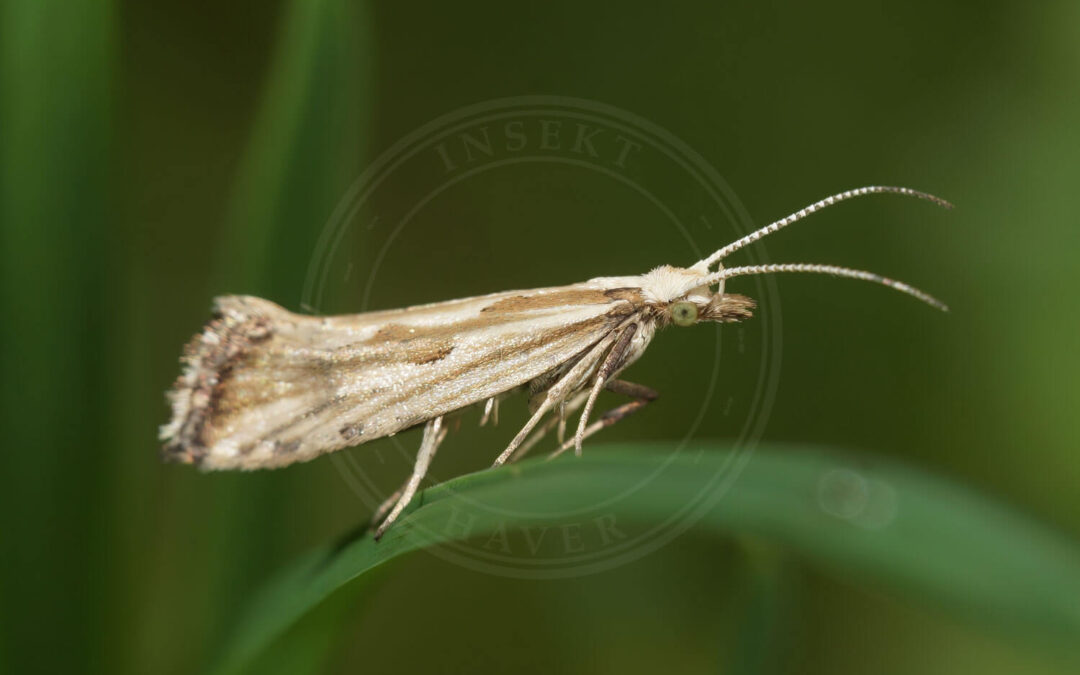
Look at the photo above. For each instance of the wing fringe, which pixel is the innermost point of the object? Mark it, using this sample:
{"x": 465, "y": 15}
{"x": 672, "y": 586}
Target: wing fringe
{"x": 238, "y": 323}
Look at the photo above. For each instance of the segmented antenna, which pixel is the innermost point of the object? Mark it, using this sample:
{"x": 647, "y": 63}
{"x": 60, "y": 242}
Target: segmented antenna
{"x": 833, "y": 270}
{"x": 816, "y": 206}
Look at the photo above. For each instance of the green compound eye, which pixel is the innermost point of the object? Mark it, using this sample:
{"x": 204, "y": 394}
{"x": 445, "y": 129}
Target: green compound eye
{"x": 684, "y": 313}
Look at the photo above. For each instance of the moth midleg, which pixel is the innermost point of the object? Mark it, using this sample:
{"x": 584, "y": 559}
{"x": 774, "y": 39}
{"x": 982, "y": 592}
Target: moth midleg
{"x": 642, "y": 396}
{"x": 557, "y": 393}
{"x": 433, "y": 436}
{"x": 538, "y": 435}
{"x": 606, "y": 370}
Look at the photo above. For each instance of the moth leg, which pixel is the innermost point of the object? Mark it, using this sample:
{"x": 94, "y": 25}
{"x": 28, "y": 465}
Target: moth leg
{"x": 549, "y": 402}
{"x": 539, "y": 434}
{"x": 433, "y": 436}
{"x": 488, "y": 408}
{"x": 614, "y": 358}
{"x": 385, "y": 507}
{"x": 491, "y": 412}
{"x": 561, "y": 434}
{"x": 642, "y": 396}
{"x": 556, "y": 394}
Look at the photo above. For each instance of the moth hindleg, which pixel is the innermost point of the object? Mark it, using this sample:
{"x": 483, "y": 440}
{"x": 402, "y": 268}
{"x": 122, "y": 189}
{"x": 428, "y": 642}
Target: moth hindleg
{"x": 491, "y": 411}
{"x": 434, "y": 433}
{"x": 642, "y": 396}
{"x": 385, "y": 507}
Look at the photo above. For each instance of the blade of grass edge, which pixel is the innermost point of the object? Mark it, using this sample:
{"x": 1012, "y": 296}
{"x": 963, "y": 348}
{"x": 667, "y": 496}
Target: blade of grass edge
{"x": 942, "y": 544}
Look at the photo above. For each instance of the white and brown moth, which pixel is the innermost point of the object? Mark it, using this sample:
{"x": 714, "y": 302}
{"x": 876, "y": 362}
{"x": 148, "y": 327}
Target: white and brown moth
{"x": 262, "y": 387}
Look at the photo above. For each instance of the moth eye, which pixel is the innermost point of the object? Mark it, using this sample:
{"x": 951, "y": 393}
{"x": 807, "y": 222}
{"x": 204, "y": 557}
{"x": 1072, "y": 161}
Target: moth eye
{"x": 684, "y": 313}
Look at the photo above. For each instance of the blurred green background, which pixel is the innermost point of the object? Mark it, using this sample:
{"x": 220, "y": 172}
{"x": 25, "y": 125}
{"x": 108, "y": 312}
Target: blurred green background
{"x": 156, "y": 154}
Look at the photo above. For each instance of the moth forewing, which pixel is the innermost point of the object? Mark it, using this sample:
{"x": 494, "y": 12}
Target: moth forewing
{"x": 264, "y": 387}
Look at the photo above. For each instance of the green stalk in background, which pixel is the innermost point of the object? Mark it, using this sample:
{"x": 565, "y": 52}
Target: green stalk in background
{"x": 306, "y": 148}
{"x": 55, "y": 103}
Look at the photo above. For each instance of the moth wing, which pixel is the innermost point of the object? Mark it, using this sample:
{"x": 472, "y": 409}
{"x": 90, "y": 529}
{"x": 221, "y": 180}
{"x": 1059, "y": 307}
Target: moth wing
{"x": 264, "y": 387}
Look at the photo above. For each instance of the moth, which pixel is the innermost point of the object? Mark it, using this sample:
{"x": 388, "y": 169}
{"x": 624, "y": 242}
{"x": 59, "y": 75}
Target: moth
{"x": 262, "y": 387}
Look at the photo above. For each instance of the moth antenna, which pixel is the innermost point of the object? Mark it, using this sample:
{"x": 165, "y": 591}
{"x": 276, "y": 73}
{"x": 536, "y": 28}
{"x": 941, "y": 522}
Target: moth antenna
{"x": 846, "y": 272}
{"x": 816, "y": 206}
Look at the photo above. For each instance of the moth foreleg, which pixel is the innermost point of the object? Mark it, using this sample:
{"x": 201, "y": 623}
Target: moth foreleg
{"x": 636, "y": 391}
{"x": 433, "y": 436}
{"x": 642, "y": 396}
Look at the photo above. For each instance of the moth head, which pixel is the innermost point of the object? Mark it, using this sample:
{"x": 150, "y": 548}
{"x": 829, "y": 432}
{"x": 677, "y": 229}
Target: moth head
{"x": 685, "y": 296}
{"x": 696, "y": 307}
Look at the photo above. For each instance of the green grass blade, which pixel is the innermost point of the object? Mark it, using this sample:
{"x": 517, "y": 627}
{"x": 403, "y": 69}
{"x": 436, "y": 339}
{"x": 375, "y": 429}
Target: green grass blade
{"x": 767, "y": 609}
{"x": 875, "y": 523}
{"x": 307, "y": 145}
{"x": 56, "y": 262}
